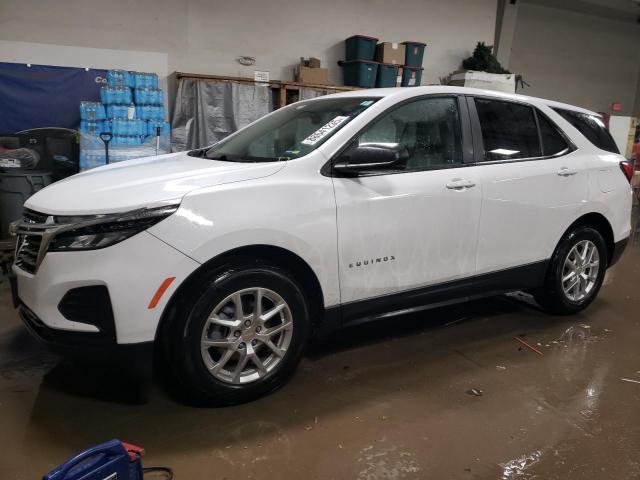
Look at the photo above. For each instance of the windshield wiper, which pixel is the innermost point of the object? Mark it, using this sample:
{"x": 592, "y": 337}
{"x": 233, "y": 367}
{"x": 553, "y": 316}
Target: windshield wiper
{"x": 198, "y": 153}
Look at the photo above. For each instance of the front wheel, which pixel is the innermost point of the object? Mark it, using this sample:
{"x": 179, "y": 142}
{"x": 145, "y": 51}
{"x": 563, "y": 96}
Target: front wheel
{"x": 576, "y": 272}
{"x": 242, "y": 337}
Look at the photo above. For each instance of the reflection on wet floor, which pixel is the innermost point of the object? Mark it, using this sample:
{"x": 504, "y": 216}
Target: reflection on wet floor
{"x": 382, "y": 401}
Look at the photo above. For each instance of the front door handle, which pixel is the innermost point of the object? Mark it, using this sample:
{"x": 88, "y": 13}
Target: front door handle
{"x": 567, "y": 172}
{"x": 460, "y": 184}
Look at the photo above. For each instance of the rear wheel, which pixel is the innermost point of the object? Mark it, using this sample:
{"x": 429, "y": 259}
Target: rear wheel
{"x": 576, "y": 272}
{"x": 240, "y": 337}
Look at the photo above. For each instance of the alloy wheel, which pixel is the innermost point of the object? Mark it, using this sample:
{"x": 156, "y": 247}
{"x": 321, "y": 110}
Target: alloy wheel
{"x": 246, "y": 335}
{"x": 580, "y": 270}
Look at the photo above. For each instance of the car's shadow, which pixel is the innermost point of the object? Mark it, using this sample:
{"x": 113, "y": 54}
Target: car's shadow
{"x": 423, "y": 321}
{"x": 117, "y": 383}
{"x": 84, "y": 404}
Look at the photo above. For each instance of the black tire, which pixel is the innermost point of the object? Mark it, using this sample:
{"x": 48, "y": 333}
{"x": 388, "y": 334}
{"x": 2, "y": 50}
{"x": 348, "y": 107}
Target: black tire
{"x": 552, "y": 297}
{"x": 182, "y": 338}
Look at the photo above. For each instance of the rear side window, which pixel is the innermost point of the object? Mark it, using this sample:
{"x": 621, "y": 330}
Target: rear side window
{"x": 592, "y": 127}
{"x": 509, "y": 130}
{"x": 553, "y": 143}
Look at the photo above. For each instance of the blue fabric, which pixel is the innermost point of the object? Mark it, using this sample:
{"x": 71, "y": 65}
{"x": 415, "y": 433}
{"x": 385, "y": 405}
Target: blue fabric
{"x": 45, "y": 96}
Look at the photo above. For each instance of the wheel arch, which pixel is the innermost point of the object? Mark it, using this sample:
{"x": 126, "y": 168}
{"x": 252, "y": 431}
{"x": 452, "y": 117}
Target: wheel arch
{"x": 600, "y": 223}
{"x": 281, "y": 257}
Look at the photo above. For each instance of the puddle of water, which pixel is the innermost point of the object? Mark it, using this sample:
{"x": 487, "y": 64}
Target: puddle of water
{"x": 517, "y": 468}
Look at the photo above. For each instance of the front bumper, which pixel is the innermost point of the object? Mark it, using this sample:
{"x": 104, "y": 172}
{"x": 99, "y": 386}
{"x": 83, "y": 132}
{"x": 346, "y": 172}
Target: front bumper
{"x": 131, "y": 272}
{"x": 134, "y": 359}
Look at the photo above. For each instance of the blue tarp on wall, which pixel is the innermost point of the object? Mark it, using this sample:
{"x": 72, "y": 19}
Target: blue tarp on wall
{"x": 45, "y": 96}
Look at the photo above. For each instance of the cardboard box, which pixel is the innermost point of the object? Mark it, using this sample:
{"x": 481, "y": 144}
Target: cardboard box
{"x": 316, "y": 76}
{"x": 387, "y": 52}
{"x": 489, "y": 81}
{"x": 312, "y": 62}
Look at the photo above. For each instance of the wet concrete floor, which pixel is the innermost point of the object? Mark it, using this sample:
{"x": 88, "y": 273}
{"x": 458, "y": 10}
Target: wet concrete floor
{"x": 389, "y": 400}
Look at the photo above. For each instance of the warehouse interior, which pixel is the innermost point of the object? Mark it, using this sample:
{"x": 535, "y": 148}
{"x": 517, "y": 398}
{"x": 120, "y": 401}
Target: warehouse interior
{"x": 491, "y": 388}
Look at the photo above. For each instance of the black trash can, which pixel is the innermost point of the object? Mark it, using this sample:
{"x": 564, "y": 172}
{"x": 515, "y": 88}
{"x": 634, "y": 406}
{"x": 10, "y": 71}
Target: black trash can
{"x": 15, "y": 188}
{"x": 59, "y": 150}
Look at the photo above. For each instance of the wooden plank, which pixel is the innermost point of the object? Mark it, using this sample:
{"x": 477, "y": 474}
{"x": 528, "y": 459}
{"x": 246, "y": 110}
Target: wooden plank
{"x": 283, "y": 96}
{"x": 272, "y": 83}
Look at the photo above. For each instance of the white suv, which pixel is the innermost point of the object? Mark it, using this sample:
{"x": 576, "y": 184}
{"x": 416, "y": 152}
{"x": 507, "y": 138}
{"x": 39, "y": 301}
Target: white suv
{"x": 323, "y": 214}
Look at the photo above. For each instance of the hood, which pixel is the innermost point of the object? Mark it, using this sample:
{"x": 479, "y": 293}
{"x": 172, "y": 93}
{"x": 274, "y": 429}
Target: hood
{"x": 145, "y": 182}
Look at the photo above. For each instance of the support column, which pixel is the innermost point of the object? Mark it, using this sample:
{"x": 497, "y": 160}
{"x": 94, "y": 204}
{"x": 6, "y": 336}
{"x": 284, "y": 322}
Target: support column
{"x": 506, "y": 20}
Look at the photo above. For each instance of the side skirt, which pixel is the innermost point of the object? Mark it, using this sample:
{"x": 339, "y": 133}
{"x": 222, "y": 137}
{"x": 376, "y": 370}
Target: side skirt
{"x": 432, "y": 296}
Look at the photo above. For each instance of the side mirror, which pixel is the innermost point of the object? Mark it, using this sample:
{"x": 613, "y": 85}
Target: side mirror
{"x": 370, "y": 156}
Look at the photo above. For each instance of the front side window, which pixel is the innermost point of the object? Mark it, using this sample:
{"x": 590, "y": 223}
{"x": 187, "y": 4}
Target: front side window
{"x": 429, "y": 129}
{"x": 592, "y": 127}
{"x": 509, "y": 130}
{"x": 288, "y": 133}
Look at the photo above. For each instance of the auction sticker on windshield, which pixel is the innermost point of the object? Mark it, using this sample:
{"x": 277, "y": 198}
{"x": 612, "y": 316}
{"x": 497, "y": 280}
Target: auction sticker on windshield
{"x": 325, "y": 130}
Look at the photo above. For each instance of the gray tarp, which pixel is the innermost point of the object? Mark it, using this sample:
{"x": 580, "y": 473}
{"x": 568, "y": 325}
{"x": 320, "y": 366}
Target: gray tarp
{"x": 207, "y": 111}
{"x": 309, "y": 93}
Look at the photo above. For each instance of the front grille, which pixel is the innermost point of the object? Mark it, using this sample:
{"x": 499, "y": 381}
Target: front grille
{"x": 27, "y": 252}
{"x": 32, "y": 227}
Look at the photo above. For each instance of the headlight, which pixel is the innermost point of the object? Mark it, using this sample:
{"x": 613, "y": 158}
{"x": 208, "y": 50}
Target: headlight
{"x": 100, "y": 231}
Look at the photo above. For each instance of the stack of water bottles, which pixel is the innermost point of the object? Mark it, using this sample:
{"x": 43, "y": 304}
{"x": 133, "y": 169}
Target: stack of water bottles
{"x": 132, "y": 110}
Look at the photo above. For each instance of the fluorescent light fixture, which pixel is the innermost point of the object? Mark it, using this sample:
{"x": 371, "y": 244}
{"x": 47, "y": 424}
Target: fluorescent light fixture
{"x": 504, "y": 151}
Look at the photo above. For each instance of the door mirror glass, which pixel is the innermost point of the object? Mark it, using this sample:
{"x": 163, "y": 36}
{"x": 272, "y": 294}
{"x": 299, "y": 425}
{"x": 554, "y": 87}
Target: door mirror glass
{"x": 369, "y": 156}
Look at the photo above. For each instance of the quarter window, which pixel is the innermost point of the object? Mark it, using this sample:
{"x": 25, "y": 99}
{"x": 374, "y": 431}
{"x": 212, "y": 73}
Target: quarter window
{"x": 553, "y": 143}
{"x": 428, "y": 128}
{"x": 592, "y": 127}
{"x": 509, "y": 130}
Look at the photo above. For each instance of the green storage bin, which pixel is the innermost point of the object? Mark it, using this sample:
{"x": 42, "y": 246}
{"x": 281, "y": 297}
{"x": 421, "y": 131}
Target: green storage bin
{"x": 360, "y": 47}
{"x": 387, "y": 75}
{"x": 360, "y": 73}
{"x": 411, "y": 76}
{"x": 414, "y": 53}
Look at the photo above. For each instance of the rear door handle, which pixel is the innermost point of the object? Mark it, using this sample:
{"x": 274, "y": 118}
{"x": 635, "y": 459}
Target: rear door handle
{"x": 567, "y": 172}
{"x": 460, "y": 184}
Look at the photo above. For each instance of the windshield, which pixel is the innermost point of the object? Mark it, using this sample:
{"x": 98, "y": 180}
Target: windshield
{"x": 290, "y": 132}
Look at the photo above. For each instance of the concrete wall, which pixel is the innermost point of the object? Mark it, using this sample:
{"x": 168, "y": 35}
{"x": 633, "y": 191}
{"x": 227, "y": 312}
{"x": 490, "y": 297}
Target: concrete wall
{"x": 577, "y": 58}
{"x": 203, "y": 36}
